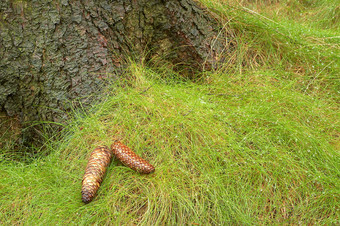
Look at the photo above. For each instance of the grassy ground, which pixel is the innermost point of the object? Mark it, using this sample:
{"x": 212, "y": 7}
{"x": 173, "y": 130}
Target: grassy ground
{"x": 254, "y": 143}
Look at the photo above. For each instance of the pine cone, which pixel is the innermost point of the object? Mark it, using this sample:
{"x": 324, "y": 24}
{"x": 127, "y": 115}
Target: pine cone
{"x": 131, "y": 159}
{"x": 94, "y": 173}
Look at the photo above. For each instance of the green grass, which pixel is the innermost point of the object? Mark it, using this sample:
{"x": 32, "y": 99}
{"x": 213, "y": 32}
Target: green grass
{"x": 254, "y": 143}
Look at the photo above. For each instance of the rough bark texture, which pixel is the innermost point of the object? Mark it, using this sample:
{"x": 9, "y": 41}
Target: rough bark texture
{"x": 56, "y": 52}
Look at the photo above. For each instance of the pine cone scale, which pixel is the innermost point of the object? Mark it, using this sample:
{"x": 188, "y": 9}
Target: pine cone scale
{"x": 131, "y": 159}
{"x": 94, "y": 173}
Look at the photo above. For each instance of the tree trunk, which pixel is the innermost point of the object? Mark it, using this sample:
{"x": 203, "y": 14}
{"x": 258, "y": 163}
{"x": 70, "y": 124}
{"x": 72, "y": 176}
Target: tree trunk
{"x": 55, "y": 52}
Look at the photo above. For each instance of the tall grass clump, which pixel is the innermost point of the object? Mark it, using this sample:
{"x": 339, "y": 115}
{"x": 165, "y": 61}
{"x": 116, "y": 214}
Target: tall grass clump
{"x": 285, "y": 36}
{"x": 245, "y": 149}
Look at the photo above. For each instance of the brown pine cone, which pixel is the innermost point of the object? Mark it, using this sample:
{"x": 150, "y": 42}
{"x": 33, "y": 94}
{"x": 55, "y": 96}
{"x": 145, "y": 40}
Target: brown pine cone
{"x": 94, "y": 173}
{"x": 131, "y": 159}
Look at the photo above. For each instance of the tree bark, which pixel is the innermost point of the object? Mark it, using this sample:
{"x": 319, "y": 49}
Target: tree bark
{"x": 55, "y": 52}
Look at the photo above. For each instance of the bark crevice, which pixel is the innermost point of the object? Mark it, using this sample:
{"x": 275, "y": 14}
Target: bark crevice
{"x": 55, "y": 52}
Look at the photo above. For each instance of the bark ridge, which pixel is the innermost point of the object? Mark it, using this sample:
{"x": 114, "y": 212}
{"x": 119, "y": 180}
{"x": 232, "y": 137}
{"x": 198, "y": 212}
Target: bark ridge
{"x": 55, "y": 54}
